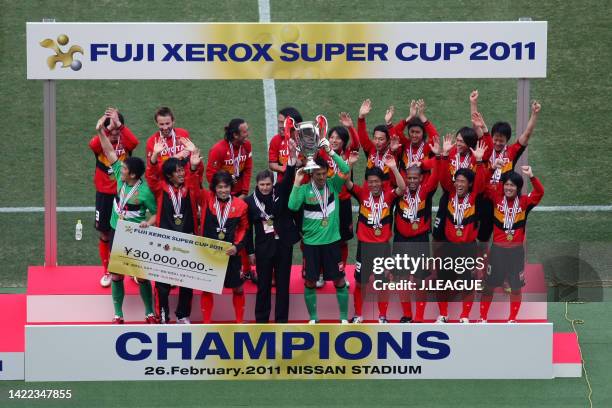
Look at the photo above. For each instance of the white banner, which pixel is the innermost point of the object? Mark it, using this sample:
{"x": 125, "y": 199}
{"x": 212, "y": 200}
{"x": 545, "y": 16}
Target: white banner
{"x": 170, "y": 257}
{"x": 286, "y": 50}
{"x": 288, "y": 351}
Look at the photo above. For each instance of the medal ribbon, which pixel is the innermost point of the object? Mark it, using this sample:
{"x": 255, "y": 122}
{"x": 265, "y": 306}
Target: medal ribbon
{"x": 376, "y": 211}
{"x": 413, "y": 204}
{"x": 380, "y": 162}
{"x": 262, "y": 207}
{"x": 321, "y": 200}
{"x": 465, "y": 163}
{"x": 510, "y": 216}
{"x": 124, "y": 198}
{"x": 235, "y": 161}
{"x": 176, "y": 201}
{"x": 222, "y": 218}
{"x": 171, "y": 151}
{"x": 419, "y": 154}
{"x": 459, "y": 209}
{"x": 494, "y": 156}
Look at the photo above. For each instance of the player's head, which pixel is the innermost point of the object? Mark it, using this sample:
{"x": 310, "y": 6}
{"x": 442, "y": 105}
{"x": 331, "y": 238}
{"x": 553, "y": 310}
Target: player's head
{"x": 466, "y": 138}
{"x": 221, "y": 185}
{"x": 283, "y": 114}
{"x": 374, "y": 179}
{"x": 265, "y": 181}
{"x": 111, "y": 130}
{"x": 414, "y": 176}
{"x": 164, "y": 120}
{"x": 513, "y": 183}
{"x": 319, "y": 176}
{"x": 381, "y": 138}
{"x": 237, "y": 131}
{"x": 464, "y": 180}
{"x": 132, "y": 169}
{"x": 501, "y": 132}
{"x": 416, "y": 131}
{"x": 174, "y": 171}
{"x": 338, "y": 138}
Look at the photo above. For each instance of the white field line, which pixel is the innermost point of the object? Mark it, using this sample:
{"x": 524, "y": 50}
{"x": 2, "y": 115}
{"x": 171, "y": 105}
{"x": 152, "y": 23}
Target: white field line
{"x": 269, "y": 88}
{"x": 542, "y": 208}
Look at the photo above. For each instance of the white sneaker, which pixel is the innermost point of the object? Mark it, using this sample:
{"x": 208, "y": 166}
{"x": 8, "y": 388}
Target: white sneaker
{"x": 320, "y": 282}
{"x": 135, "y": 279}
{"x": 442, "y": 319}
{"x": 482, "y": 321}
{"x": 511, "y": 321}
{"x": 357, "y": 319}
{"x": 464, "y": 320}
{"x": 344, "y": 321}
{"x": 105, "y": 280}
{"x": 382, "y": 319}
{"x": 183, "y": 320}
{"x": 312, "y": 322}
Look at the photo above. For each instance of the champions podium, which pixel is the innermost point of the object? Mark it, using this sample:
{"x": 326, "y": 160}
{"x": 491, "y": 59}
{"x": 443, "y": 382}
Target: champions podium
{"x": 60, "y": 331}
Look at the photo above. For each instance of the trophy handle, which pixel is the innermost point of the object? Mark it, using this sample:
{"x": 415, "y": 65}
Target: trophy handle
{"x": 287, "y": 126}
{"x": 322, "y": 126}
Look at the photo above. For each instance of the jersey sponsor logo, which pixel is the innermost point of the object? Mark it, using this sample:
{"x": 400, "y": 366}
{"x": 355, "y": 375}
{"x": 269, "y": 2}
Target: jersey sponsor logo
{"x": 65, "y": 58}
{"x": 500, "y": 208}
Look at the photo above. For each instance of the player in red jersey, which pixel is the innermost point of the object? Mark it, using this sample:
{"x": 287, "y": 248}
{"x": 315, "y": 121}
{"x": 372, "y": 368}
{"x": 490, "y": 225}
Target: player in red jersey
{"x": 176, "y": 190}
{"x": 511, "y": 209}
{"x": 164, "y": 120}
{"x": 123, "y": 142}
{"x": 460, "y": 226}
{"x": 373, "y": 228}
{"x": 278, "y": 151}
{"x": 225, "y": 218}
{"x": 234, "y": 155}
{"x": 381, "y": 144}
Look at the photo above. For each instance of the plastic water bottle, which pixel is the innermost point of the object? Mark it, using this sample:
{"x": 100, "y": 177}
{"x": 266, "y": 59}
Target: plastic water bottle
{"x": 78, "y": 233}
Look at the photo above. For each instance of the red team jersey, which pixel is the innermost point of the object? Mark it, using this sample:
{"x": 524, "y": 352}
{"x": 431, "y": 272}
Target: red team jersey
{"x": 515, "y": 235}
{"x": 365, "y": 227}
{"x": 220, "y": 158}
{"x": 104, "y": 179}
{"x": 278, "y": 152}
{"x": 467, "y": 160}
{"x": 373, "y": 156}
{"x": 174, "y": 146}
{"x": 467, "y": 230}
{"x": 237, "y": 222}
{"x": 403, "y": 223}
{"x": 510, "y": 155}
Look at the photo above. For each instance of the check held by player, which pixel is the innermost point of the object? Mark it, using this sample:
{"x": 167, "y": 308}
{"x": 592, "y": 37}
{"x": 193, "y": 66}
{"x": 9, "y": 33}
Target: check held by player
{"x": 170, "y": 257}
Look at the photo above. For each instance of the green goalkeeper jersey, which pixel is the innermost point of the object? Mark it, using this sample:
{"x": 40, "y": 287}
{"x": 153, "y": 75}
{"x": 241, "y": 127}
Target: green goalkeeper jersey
{"x": 137, "y": 202}
{"x": 319, "y": 228}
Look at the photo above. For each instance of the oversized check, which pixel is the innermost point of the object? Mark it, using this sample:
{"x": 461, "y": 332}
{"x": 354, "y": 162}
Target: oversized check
{"x": 167, "y": 256}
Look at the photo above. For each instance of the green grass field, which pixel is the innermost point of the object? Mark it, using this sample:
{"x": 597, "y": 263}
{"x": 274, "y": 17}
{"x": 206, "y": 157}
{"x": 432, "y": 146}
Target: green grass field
{"x": 569, "y": 151}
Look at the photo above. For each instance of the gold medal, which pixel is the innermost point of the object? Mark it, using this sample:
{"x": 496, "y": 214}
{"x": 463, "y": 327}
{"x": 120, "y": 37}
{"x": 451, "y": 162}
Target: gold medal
{"x": 270, "y": 222}
{"x": 178, "y": 221}
{"x": 324, "y": 222}
{"x": 459, "y": 232}
{"x": 377, "y": 232}
{"x": 221, "y": 235}
{"x": 509, "y": 237}
{"x": 415, "y": 226}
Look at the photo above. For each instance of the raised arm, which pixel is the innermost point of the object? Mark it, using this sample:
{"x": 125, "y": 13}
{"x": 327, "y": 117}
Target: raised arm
{"x": 474, "y": 101}
{"x": 535, "y": 196}
{"x": 347, "y": 122}
{"x": 296, "y": 198}
{"x": 523, "y": 139}
{"x": 284, "y": 187}
{"x": 362, "y": 131}
{"x": 443, "y": 166}
{"x": 353, "y": 158}
{"x": 392, "y": 165}
{"x": 107, "y": 147}
{"x": 481, "y": 178}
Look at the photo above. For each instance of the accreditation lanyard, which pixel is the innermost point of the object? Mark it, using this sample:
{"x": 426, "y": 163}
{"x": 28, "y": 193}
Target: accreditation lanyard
{"x": 222, "y": 218}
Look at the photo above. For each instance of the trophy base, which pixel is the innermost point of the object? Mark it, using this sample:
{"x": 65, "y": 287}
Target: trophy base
{"x": 309, "y": 167}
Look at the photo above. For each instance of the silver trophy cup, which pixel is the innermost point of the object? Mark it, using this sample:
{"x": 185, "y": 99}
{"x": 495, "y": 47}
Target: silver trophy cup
{"x": 308, "y": 135}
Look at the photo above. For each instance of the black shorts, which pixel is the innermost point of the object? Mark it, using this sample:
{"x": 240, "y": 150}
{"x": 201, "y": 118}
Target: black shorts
{"x": 104, "y": 209}
{"x": 325, "y": 259}
{"x": 414, "y": 247}
{"x": 440, "y": 219}
{"x": 455, "y": 252}
{"x": 484, "y": 212}
{"x": 506, "y": 264}
{"x": 232, "y": 274}
{"x": 365, "y": 264}
{"x": 346, "y": 220}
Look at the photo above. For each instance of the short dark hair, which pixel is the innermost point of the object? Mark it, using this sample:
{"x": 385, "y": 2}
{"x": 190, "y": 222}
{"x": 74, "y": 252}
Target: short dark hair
{"x": 502, "y": 128}
{"x": 514, "y": 178}
{"x": 416, "y": 122}
{"x": 233, "y": 127}
{"x": 414, "y": 167}
{"x": 469, "y": 136}
{"x": 107, "y": 121}
{"x": 135, "y": 166}
{"x": 170, "y": 166}
{"x": 221, "y": 176}
{"x": 382, "y": 128}
{"x": 321, "y": 162}
{"x": 375, "y": 172}
{"x": 343, "y": 134}
{"x": 264, "y": 174}
{"x": 163, "y": 111}
{"x": 292, "y": 113}
{"x": 467, "y": 173}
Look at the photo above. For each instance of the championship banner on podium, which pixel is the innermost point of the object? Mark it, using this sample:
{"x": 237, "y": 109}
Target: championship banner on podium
{"x": 170, "y": 257}
{"x": 288, "y": 351}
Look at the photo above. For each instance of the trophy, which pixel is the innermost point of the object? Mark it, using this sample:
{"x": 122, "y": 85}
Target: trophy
{"x": 307, "y": 137}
